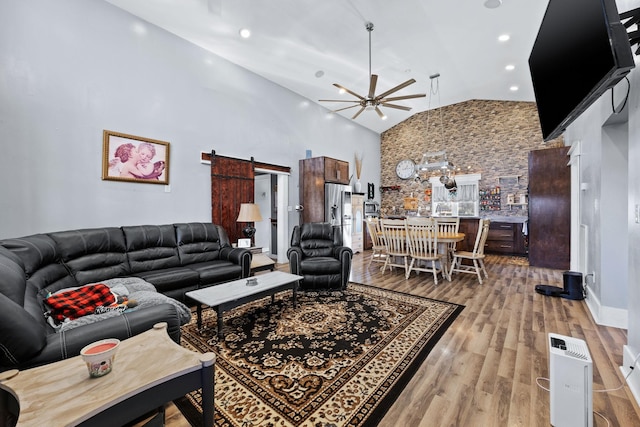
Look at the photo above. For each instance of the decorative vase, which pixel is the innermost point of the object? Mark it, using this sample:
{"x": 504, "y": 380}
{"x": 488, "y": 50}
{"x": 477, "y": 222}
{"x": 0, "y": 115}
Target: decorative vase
{"x": 357, "y": 186}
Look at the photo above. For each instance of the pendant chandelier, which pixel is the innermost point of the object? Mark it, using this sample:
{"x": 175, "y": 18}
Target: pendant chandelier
{"x": 436, "y": 160}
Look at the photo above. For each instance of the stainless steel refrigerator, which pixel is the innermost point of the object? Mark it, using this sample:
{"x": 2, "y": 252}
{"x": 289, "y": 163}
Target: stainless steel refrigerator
{"x": 337, "y": 205}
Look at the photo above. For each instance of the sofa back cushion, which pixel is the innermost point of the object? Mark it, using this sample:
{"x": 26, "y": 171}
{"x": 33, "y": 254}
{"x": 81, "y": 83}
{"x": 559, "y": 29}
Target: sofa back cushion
{"x": 316, "y": 239}
{"x": 93, "y": 254}
{"x": 199, "y": 242}
{"x": 151, "y": 247}
{"x": 40, "y": 260}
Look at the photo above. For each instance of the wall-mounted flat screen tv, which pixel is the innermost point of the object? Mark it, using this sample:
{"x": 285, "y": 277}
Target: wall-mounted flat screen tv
{"x": 581, "y": 50}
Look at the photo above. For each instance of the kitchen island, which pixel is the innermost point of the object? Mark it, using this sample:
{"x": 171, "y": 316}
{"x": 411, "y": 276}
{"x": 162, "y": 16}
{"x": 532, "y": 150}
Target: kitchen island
{"x": 507, "y": 235}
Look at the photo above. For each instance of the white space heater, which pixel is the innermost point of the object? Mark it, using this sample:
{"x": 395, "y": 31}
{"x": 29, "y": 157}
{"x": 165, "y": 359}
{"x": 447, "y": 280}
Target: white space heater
{"x": 571, "y": 382}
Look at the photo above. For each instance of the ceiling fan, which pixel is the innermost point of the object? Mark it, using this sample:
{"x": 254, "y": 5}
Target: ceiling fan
{"x": 371, "y": 101}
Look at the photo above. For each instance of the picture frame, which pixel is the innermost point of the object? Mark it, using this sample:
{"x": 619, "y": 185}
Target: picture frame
{"x": 244, "y": 243}
{"x": 132, "y": 158}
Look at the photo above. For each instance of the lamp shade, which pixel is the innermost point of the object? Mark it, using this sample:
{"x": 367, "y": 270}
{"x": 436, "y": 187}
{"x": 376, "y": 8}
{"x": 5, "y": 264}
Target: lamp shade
{"x": 249, "y": 212}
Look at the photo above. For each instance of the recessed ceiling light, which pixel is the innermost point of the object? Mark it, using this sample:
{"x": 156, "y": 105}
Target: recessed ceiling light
{"x": 510, "y": 67}
{"x": 139, "y": 28}
{"x": 492, "y": 4}
{"x": 513, "y": 88}
{"x": 245, "y": 33}
{"x": 504, "y": 37}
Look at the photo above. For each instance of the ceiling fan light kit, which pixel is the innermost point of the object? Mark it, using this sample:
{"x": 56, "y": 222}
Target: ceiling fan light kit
{"x": 371, "y": 101}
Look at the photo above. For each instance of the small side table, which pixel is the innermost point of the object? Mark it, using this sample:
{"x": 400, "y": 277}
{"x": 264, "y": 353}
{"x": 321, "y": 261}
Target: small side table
{"x": 260, "y": 261}
{"x": 149, "y": 370}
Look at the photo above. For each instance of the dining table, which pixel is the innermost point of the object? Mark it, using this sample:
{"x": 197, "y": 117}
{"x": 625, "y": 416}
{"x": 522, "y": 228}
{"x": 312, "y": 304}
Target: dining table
{"x": 443, "y": 240}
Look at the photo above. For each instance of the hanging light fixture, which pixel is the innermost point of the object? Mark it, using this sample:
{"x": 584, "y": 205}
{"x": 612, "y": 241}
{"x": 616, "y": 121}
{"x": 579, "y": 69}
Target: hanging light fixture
{"x": 373, "y": 102}
{"x": 437, "y": 160}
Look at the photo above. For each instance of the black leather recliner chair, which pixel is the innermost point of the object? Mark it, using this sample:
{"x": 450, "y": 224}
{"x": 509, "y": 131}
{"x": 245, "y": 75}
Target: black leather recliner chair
{"x": 317, "y": 254}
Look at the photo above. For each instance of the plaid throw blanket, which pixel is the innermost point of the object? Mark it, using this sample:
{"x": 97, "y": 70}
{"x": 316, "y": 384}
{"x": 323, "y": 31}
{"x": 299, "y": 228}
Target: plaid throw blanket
{"x": 79, "y": 302}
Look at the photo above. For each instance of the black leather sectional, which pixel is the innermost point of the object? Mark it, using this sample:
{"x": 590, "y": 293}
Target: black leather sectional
{"x": 175, "y": 258}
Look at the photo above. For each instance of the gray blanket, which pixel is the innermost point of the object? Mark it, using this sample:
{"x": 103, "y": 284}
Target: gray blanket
{"x": 134, "y": 289}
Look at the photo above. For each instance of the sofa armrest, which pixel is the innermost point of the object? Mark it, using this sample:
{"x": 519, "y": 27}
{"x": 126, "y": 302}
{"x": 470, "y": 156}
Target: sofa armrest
{"x": 239, "y": 256}
{"x": 68, "y": 343}
{"x": 295, "y": 255}
{"x": 342, "y": 251}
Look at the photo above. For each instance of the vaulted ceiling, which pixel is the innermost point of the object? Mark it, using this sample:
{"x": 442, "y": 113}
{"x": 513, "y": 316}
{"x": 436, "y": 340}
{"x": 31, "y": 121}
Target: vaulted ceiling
{"x": 308, "y": 45}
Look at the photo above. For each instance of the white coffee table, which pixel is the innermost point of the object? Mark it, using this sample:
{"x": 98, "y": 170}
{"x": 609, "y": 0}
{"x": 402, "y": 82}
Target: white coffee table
{"x": 228, "y": 295}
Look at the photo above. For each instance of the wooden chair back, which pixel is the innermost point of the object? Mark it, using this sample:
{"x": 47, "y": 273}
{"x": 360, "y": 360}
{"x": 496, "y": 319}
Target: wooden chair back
{"x": 394, "y": 232}
{"x": 481, "y": 237}
{"x": 422, "y": 234}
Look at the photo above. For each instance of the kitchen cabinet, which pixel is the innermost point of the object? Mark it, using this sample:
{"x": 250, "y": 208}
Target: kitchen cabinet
{"x": 336, "y": 171}
{"x": 367, "y": 241}
{"x": 357, "y": 233}
{"x": 468, "y": 226}
{"x": 314, "y": 173}
{"x": 505, "y": 238}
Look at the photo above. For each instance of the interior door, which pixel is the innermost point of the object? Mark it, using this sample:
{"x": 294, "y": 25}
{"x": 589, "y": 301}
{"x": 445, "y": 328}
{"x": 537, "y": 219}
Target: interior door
{"x": 232, "y": 183}
{"x": 549, "y": 208}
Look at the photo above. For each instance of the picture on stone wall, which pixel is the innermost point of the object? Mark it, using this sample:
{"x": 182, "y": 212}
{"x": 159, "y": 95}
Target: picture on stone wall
{"x": 133, "y": 158}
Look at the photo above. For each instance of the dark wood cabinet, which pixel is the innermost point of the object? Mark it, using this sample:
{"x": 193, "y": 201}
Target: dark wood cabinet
{"x": 336, "y": 171}
{"x": 367, "y": 241}
{"x": 505, "y": 238}
{"x": 549, "y": 208}
{"x": 314, "y": 173}
{"x": 469, "y": 227}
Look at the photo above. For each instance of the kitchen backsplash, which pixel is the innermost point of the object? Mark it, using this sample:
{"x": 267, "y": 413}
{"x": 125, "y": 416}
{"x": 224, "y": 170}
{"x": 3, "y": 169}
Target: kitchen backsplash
{"x": 492, "y": 138}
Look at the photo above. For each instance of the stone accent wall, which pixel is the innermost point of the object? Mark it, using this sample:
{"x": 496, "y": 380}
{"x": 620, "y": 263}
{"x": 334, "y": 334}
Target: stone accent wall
{"x": 492, "y": 138}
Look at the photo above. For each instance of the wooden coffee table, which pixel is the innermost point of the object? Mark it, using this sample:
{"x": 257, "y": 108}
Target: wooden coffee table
{"x": 149, "y": 370}
{"x": 228, "y": 295}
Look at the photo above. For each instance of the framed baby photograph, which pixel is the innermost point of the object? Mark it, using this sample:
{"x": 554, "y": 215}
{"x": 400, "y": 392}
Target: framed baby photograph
{"x": 133, "y": 158}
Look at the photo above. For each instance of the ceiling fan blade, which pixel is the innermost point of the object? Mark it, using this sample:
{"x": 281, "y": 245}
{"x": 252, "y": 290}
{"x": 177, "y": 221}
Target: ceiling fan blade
{"x": 380, "y": 113}
{"x": 358, "y": 113}
{"x": 348, "y": 91}
{"x": 338, "y": 100}
{"x": 345, "y": 108}
{"x": 399, "y": 107}
{"x": 398, "y": 98}
{"x": 372, "y": 86}
{"x": 395, "y": 89}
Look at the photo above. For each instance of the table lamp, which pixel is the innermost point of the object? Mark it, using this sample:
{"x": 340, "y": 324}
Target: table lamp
{"x": 249, "y": 213}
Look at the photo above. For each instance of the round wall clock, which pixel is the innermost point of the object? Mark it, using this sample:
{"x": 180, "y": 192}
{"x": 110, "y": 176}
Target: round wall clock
{"x": 405, "y": 169}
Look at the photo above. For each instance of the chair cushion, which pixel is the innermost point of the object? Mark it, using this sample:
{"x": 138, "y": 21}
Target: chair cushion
{"x": 320, "y": 266}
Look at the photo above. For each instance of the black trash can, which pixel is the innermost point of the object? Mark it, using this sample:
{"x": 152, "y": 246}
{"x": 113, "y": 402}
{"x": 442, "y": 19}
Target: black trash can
{"x": 572, "y": 285}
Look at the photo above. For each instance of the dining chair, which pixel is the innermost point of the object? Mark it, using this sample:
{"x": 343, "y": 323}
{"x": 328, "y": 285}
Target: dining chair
{"x": 448, "y": 225}
{"x": 394, "y": 232}
{"x": 378, "y": 250}
{"x": 476, "y": 257}
{"x": 422, "y": 234}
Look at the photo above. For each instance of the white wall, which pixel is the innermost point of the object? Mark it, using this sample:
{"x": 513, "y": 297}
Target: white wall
{"x": 609, "y": 167}
{"x": 71, "y": 68}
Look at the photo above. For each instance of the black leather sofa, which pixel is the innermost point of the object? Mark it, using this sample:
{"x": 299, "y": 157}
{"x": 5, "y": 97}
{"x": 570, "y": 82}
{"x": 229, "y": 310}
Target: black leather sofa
{"x": 317, "y": 253}
{"x": 175, "y": 258}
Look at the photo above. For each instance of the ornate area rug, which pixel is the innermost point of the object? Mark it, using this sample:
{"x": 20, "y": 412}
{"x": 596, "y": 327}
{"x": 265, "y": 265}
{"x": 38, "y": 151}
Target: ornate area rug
{"x": 339, "y": 359}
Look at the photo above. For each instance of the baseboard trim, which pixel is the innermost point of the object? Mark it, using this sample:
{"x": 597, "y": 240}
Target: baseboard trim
{"x": 606, "y": 316}
{"x": 633, "y": 381}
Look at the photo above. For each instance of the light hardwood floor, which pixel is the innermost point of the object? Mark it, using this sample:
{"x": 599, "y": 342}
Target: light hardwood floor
{"x": 483, "y": 370}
